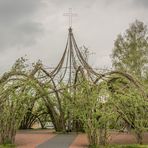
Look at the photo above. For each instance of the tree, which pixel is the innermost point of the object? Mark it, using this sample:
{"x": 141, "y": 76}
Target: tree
{"x": 37, "y": 112}
{"x": 130, "y": 105}
{"x": 90, "y": 107}
{"x": 131, "y": 50}
{"x": 130, "y": 55}
{"x": 16, "y": 100}
{"x": 12, "y": 112}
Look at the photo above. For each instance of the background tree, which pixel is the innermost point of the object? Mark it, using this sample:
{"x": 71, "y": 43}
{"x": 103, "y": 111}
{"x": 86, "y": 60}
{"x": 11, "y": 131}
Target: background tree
{"x": 131, "y": 50}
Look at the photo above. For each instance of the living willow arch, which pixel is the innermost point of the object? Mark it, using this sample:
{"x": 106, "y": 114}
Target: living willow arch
{"x": 71, "y": 70}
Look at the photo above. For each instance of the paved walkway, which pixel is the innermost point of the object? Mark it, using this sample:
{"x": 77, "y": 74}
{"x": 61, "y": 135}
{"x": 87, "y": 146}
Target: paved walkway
{"x": 59, "y": 141}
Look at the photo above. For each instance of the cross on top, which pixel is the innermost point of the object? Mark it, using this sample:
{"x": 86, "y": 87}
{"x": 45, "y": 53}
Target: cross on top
{"x": 70, "y": 15}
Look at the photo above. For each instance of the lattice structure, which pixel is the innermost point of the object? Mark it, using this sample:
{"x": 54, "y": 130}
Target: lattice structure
{"x": 72, "y": 62}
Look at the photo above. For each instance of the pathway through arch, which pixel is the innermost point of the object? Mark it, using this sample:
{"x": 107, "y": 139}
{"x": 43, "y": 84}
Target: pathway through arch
{"x": 61, "y": 140}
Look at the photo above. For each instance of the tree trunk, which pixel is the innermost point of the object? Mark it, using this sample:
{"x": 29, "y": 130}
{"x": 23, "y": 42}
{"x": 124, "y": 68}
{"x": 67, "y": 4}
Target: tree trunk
{"x": 7, "y": 135}
{"x": 102, "y": 136}
{"x": 92, "y": 133}
{"x": 78, "y": 126}
{"x": 58, "y": 122}
{"x": 93, "y": 137}
{"x": 139, "y": 137}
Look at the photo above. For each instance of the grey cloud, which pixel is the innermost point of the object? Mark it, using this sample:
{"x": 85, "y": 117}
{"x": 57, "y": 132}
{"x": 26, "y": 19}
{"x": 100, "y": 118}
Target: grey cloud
{"x": 13, "y": 10}
{"x": 129, "y": 3}
{"x": 18, "y": 26}
{"x": 23, "y": 35}
{"x": 40, "y": 26}
{"x": 73, "y": 3}
{"x": 143, "y": 3}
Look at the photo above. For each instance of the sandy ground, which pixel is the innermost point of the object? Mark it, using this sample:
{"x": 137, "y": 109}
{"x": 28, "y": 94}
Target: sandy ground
{"x": 115, "y": 138}
{"x": 81, "y": 141}
{"x": 30, "y": 139}
{"x": 124, "y": 138}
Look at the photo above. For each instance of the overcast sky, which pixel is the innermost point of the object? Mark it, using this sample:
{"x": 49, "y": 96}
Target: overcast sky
{"x": 37, "y": 29}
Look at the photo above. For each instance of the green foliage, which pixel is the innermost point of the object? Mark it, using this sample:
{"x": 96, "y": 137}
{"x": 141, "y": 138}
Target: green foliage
{"x": 130, "y": 105}
{"x": 131, "y": 50}
{"x": 15, "y": 95}
{"x": 36, "y": 113}
{"x": 130, "y": 55}
{"x": 91, "y": 108}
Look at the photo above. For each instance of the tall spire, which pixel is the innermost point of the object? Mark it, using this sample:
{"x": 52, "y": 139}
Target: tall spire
{"x": 73, "y": 60}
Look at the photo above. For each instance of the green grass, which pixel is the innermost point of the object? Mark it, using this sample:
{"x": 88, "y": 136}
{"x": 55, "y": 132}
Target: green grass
{"x": 128, "y": 146}
{"x": 7, "y": 146}
{"x": 121, "y": 146}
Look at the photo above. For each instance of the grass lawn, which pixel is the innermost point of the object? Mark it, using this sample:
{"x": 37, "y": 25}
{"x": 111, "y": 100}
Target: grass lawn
{"x": 7, "y": 146}
{"x": 124, "y": 146}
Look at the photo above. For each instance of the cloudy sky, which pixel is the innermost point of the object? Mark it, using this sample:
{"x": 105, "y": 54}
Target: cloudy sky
{"x": 37, "y": 29}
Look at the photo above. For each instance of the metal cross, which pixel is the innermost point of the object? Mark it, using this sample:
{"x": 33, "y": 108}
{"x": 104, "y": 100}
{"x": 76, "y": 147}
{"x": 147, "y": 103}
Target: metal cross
{"x": 70, "y": 15}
